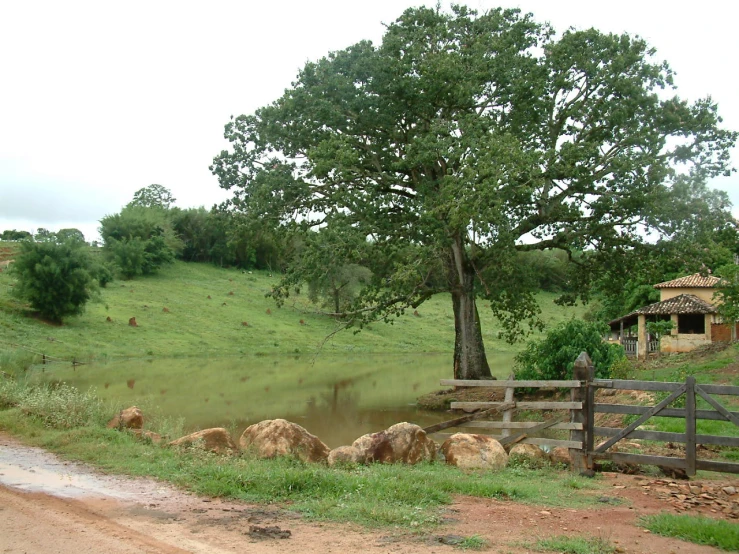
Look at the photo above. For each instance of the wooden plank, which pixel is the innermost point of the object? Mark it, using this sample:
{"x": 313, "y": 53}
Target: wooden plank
{"x": 590, "y": 422}
{"x": 720, "y": 389}
{"x": 542, "y": 441}
{"x": 539, "y": 441}
{"x": 500, "y": 384}
{"x": 690, "y": 426}
{"x": 519, "y": 405}
{"x": 460, "y": 420}
{"x": 522, "y": 425}
{"x": 719, "y": 408}
{"x": 665, "y": 436}
{"x": 710, "y": 465}
{"x": 508, "y": 414}
{"x": 622, "y": 458}
{"x": 652, "y": 412}
{"x": 667, "y": 412}
{"x": 530, "y": 431}
{"x": 627, "y": 384}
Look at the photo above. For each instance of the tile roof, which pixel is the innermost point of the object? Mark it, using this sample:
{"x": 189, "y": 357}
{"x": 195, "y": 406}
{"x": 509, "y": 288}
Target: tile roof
{"x": 691, "y": 281}
{"x": 682, "y": 304}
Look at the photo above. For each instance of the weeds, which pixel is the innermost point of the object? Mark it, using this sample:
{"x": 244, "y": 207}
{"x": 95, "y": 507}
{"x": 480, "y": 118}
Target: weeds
{"x": 55, "y": 405}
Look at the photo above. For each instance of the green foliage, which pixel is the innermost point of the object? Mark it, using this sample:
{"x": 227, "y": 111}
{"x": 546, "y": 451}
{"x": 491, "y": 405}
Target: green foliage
{"x": 54, "y": 278}
{"x": 660, "y": 328}
{"x": 12, "y": 234}
{"x": 465, "y": 139}
{"x": 622, "y": 368}
{"x": 727, "y": 293}
{"x": 70, "y": 234}
{"x": 153, "y": 196}
{"x": 553, "y": 356}
{"x": 697, "y": 529}
{"x": 699, "y": 235}
{"x": 329, "y": 260}
{"x": 139, "y": 240}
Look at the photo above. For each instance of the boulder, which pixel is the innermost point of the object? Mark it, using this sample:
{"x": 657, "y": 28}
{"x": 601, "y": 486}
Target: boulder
{"x": 345, "y": 455}
{"x": 130, "y": 418}
{"x": 560, "y": 455}
{"x": 279, "y": 437}
{"x": 155, "y": 438}
{"x": 215, "y": 440}
{"x": 469, "y": 451}
{"x": 528, "y": 452}
{"x": 402, "y": 443}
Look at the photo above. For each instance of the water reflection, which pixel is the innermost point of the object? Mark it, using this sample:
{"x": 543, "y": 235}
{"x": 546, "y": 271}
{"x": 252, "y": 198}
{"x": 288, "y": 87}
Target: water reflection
{"x": 338, "y": 398}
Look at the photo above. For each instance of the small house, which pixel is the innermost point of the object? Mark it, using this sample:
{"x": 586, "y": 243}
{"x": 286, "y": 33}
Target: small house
{"x": 688, "y": 302}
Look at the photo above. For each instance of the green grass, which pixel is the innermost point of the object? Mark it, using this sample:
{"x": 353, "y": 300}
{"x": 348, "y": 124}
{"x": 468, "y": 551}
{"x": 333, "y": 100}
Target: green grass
{"x": 474, "y": 542}
{"x": 574, "y": 545}
{"x": 697, "y": 529}
{"x": 196, "y": 326}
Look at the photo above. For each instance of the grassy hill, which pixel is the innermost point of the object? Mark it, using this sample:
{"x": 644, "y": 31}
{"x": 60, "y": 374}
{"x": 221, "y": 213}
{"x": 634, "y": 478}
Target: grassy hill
{"x": 191, "y": 310}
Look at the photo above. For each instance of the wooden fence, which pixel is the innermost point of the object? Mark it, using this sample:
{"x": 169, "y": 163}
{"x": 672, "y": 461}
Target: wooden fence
{"x": 583, "y": 406}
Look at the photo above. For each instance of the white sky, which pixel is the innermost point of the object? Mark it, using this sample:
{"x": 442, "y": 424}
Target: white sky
{"x": 99, "y": 99}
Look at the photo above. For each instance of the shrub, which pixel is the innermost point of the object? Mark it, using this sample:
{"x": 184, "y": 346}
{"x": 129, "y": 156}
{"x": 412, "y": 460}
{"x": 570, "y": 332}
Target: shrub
{"x": 56, "y": 279}
{"x": 554, "y": 356}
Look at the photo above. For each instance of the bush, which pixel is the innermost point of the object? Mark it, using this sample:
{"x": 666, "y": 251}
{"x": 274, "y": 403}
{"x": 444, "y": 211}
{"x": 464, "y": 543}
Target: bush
{"x": 56, "y": 279}
{"x": 554, "y": 356}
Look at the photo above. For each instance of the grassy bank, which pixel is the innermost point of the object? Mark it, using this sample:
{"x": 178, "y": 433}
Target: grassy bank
{"x": 219, "y": 312}
{"x": 72, "y": 424}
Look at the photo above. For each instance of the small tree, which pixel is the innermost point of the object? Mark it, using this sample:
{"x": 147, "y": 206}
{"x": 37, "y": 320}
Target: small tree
{"x": 54, "y": 278}
{"x": 70, "y": 234}
{"x": 153, "y": 196}
{"x": 659, "y": 328}
{"x": 554, "y": 356}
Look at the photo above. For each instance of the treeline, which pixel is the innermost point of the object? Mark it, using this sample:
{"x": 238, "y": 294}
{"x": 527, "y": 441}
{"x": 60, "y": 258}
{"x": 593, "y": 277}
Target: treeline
{"x": 336, "y": 265}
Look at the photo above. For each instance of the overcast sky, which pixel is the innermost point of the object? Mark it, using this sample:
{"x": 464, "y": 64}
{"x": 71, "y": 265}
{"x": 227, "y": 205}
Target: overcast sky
{"x": 99, "y": 99}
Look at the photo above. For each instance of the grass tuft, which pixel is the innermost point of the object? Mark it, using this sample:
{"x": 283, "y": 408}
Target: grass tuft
{"x": 697, "y": 529}
{"x": 575, "y": 545}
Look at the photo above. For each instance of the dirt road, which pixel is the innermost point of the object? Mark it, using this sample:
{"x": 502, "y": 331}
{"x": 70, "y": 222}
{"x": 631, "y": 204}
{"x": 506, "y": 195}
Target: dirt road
{"x": 51, "y": 506}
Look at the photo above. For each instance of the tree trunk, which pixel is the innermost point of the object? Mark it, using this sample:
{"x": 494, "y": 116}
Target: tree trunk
{"x": 470, "y": 361}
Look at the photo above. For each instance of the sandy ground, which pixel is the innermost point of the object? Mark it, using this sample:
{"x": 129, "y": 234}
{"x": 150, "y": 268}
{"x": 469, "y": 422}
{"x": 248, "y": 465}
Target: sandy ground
{"x": 51, "y": 506}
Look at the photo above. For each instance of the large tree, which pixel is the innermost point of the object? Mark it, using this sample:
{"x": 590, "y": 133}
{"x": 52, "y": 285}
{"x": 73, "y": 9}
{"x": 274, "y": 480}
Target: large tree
{"x": 463, "y": 139}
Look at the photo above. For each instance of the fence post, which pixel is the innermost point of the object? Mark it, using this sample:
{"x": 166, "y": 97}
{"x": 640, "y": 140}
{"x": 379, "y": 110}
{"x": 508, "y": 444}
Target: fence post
{"x": 690, "y": 424}
{"x": 508, "y": 414}
{"x": 583, "y": 372}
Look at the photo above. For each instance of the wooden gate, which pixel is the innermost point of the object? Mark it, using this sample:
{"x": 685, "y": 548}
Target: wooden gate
{"x": 690, "y": 391}
{"x": 583, "y": 408}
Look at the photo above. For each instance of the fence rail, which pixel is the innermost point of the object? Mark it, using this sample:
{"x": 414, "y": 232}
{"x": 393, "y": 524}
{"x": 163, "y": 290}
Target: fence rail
{"x": 583, "y": 408}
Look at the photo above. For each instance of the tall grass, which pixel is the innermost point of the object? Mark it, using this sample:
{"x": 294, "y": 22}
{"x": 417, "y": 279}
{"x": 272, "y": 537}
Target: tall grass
{"x": 55, "y": 405}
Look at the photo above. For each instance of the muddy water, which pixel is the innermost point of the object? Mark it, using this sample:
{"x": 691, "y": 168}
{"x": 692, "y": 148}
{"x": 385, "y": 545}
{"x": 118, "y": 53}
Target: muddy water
{"x": 337, "y": 398}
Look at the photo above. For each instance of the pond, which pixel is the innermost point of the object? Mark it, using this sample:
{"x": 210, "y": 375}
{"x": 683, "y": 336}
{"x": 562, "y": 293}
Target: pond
{"x": 337, "y": 398}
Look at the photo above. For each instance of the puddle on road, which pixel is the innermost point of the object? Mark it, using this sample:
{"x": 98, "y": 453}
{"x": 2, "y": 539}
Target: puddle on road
{"x": 34, "y": 470}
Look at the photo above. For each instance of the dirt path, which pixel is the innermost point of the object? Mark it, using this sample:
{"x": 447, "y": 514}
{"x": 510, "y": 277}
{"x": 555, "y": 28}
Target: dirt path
{"x": 51, "y": 506}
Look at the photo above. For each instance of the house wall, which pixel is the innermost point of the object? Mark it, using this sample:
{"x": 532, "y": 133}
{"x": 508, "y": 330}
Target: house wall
{"x": 721, "y": 332}
{"x": 683, "y": 343}
{"x": 705, "y": 294}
